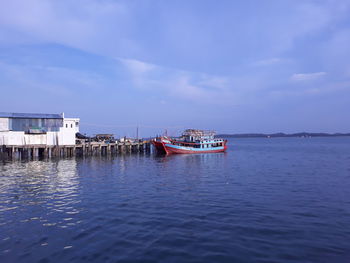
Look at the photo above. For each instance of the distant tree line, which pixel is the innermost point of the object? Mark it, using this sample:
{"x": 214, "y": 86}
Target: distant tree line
{"x": 281, "y": 134}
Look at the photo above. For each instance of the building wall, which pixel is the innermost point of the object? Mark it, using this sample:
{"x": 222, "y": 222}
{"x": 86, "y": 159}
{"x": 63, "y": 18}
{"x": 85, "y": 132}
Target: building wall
{"x": 12, "y": 138}
{"x": 4, "y": 124}
{"x": 65, "y": 136}
{"x": 68, "y": 131}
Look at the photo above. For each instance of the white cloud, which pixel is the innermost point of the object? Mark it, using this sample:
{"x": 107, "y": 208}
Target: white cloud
{"x": 94, "y": 26}
{"x": 307, "y": 76}
{"x": 204, "y": 88}
{"x": 214, "y": 82}
{"x": 53, "y": 80}
{"x": 267, "y": 62}
{"x": 136, "y": 66}
{"x": 184, "y": 85}
{"x": 111, "y": 28}
{"x": 325, "y": 88}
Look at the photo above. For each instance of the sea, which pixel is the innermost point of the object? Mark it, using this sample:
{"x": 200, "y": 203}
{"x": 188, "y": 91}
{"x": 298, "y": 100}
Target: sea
{"x": 264, "y": 200}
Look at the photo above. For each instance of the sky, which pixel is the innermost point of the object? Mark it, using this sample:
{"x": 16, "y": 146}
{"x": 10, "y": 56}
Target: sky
{"x": 230, "y": 66}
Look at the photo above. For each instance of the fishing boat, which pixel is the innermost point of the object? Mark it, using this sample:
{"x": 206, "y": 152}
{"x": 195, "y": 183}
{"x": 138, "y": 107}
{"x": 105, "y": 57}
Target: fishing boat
{"x": 191, "y": 141}
{"x": 158, "y": 143}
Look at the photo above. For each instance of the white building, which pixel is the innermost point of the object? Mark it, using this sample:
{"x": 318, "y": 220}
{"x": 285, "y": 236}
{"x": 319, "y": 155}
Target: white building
{"x": 20, "y": 129}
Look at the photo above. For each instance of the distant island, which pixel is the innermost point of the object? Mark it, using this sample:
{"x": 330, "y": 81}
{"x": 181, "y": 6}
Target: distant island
{"x": 281, "y": 134}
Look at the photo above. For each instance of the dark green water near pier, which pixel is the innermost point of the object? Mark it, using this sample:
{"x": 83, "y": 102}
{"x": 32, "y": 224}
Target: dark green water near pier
{"x": 264, "y": 200}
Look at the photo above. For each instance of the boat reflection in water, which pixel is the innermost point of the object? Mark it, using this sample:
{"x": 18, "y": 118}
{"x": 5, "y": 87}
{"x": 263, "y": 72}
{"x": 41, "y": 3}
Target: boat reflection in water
{"x": 204, "y": 163}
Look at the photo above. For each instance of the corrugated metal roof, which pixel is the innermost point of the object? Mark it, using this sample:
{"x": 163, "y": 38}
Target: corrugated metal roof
{"x": 30, "y": 115}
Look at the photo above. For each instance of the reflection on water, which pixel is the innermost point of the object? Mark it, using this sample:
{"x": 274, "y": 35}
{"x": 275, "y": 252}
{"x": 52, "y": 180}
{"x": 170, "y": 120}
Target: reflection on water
{"x": 203, "y": 163}
{"x": 262, "y": 201}
{"x": 30, "y": 182}
{"x": 203, "y": 158}
{"x": 37, "y": 194}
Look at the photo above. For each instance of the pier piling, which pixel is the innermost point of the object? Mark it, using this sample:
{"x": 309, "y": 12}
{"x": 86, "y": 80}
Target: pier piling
{"x": 16, "y": 152}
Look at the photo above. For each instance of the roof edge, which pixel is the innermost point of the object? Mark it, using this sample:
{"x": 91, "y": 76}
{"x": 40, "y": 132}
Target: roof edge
{"x": 31, "y": 115}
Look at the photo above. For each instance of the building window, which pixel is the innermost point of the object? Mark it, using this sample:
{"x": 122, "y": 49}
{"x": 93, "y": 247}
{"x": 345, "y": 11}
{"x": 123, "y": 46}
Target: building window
{"x": 66, "y": 125}
{"x": 71, "y": 125}
{"x": 76, "y": 124}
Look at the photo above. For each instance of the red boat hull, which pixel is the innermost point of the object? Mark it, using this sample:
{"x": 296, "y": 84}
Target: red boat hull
{"x": 159, "y": 146}
{"x": 172, "y": 150}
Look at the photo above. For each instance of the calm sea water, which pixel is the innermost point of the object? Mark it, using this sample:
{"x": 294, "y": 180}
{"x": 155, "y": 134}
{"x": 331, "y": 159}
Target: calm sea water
{"x": 265, "y": 200}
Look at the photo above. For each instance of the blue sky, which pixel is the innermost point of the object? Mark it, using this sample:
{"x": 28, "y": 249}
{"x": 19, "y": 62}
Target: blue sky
{"x": 232, "y": 66}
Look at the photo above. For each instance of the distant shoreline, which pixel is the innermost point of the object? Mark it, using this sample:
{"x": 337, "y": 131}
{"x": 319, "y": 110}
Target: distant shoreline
{"x": 281, "y": 135}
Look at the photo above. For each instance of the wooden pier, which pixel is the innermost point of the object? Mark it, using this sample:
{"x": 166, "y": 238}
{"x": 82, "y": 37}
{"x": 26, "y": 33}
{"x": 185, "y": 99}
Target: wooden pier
{"x": 80, "y": 149}
{"x": 102, "y": 148}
